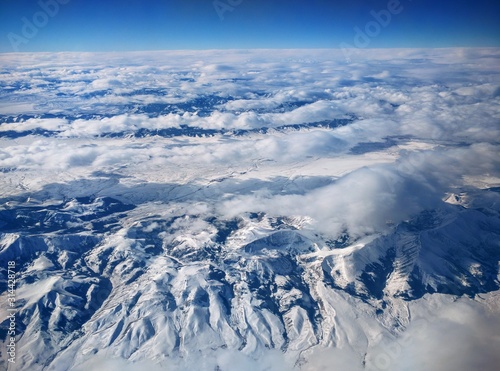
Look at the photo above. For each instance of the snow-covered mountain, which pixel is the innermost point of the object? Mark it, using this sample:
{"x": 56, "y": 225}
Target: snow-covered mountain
{"x": 176, "y": 215}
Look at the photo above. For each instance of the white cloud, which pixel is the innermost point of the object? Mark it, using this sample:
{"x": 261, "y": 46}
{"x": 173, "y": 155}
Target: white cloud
{"x": 332, "y": 359}
{"x": 459, "y": 336}
{"x": 366, "y": 200}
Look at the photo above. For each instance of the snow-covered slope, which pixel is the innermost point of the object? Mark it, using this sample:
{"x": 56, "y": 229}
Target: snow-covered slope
{"x": 146, "y": 287}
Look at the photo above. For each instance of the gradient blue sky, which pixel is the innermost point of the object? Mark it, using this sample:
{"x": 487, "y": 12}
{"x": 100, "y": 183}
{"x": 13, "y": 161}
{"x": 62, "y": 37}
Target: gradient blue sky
{"x": 111, "y": 25}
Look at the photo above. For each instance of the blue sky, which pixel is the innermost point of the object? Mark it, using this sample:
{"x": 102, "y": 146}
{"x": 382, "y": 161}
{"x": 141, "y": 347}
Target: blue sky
{"x": 110, "y": 25}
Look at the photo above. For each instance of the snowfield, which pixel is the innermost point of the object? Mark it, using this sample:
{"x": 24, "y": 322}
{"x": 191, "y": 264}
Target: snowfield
{"x": 251, "y": 209}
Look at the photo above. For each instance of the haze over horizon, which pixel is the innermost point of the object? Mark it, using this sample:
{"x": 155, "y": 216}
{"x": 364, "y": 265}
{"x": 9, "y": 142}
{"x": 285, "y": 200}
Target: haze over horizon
{"x": 130, "y": 25}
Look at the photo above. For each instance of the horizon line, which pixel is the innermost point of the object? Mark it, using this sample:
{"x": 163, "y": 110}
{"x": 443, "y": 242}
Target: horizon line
{"x": 247, "y": 49}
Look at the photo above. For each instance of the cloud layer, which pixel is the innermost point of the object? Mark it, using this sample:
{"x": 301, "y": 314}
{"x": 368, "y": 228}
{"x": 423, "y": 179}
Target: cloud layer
{"x": 169, "y": 112}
